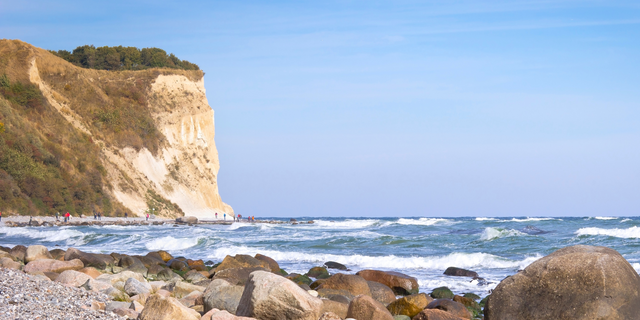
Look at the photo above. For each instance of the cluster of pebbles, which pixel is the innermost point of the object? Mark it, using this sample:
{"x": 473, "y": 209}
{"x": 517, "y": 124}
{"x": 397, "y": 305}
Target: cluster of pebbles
{"x": 23, "y": 296}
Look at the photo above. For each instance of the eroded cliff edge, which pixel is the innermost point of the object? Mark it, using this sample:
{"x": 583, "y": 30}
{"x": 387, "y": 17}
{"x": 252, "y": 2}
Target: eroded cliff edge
{"x": 153, "y": 129}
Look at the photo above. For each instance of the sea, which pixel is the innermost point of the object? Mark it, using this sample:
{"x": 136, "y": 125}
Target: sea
{"x": 417, "y": 246}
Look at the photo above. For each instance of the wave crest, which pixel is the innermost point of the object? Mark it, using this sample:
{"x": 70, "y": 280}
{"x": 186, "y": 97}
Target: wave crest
{"x": 491, "y": 233}
{"x": 630, "y": 233}
{"x": 170, "y": 243}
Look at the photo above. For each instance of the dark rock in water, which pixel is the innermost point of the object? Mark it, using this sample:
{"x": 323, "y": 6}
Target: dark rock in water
{"x": 455, "y": 308}
{"x": 533, "y": 230}
{"x": 318, "y": 273}
{"x": 335, "y": 265}
{"x": 400, "y": 283}
{"x": 472, "y": 296}
{"x": 578, "y": 282}
{"x": 209, "y": 263}
{"x": 459, "y": 272}
{"x": 293, "y": 220}
{"x": 442, "y": 293}
{"x": 187, "y": 220}
{"x": 299, "y": 279}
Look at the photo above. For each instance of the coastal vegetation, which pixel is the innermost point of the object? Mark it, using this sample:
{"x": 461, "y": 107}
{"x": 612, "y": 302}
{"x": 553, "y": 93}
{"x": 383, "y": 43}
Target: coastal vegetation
{"x": 41, "y": 171}
{"x": 123, "y": 58}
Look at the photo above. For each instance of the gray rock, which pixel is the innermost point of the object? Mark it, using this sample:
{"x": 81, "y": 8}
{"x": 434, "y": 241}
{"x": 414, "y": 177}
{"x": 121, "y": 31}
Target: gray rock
{"x": 133, "y": 287}
{"x": 222, "y": 295}
{"x": 578, "y": 282}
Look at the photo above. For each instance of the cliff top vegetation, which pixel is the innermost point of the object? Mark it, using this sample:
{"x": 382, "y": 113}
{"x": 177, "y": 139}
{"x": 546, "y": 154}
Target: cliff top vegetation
{"x": 123, "y": 58}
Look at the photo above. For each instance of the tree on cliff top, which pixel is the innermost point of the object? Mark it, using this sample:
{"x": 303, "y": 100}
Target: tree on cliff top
{"x": 123, "y": 58}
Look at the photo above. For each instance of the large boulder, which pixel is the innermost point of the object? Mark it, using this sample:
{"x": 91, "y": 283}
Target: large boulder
{"x": 9, "y": 263}
{"x": 36, "y": 252}
{"x": 364, "y": 307}
{"x": 237, "y": 276}
{"x": 222, "y": 295}
{"x": 338, "y": 308}
{"x": 50, "y": 265}
{"x": 268, "y": 296}
{"x": 98, "y": 261}
{"x": 18, "y": 252}
{"x": 73, "y": 278}
{"x": 410, "y": 305}
{"x": 455, "y": 308}
{"x": 435, "y": 314}
{"x": 134, "y": 287}
{"x": 400, "y": 283}
{"x": 381, "y": 293}
{"x": 182, "y": 289}
{"x": 318, "y": 273}
{"x": 241, "y": 261}
{"x": 158, "y": 307}
{"x": 578, "y": 282}
{"x": 354, "y": 284}
{"x": 273, "y": 265}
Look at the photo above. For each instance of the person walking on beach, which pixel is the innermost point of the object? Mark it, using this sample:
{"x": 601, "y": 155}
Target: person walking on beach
{"x": 147, "y": 216}
{"x": 216, "y": 216}
{"x": 126, "y": 214}
{"x": 57, "y": 216}
{"x": 30, "y": 218}
{"x": 0, "y": 215}
{"x": 225, "y": 217}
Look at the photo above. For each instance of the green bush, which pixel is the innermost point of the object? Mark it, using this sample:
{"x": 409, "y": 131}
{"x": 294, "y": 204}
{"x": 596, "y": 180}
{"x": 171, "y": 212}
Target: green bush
{"x": 123, "y": 58}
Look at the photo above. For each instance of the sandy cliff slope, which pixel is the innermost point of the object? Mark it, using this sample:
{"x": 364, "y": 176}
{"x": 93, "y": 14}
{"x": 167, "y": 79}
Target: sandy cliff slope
{"x": 155, "y": 129}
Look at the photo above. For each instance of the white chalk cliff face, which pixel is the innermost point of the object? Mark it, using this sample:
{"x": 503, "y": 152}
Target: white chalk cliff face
{"x": 184, "y": 170}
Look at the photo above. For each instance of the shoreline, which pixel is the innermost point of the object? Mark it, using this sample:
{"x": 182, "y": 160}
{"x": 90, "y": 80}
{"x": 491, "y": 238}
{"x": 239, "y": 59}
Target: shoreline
{"x": 48, "y": 221}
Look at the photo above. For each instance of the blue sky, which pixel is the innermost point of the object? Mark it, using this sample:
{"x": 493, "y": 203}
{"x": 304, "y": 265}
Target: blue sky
{"x": 411, "y": 108}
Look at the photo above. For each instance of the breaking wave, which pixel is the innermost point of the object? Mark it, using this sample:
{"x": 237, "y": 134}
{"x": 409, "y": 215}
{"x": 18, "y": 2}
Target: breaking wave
{"x": 496, "y": 233}
{"x": 630, "y": 233}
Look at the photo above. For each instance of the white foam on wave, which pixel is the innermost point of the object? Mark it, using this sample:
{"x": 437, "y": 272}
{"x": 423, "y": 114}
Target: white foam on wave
{"x": 485, "y": 219}
{"x": 70, "y": 236}
{"x": 346, "y": 224}
{"x": 491, "y": 233}
{"x": 533, "y": 219}
{"x": 624, "y": 220}
{"x": 170, "y": 243}
{"x": 636, "y": 266}
{"x": 630, "y": 233}
{"x": 461, "y": 260}
{"x": 422, "y": 221}
{"x": 605, "y": 218}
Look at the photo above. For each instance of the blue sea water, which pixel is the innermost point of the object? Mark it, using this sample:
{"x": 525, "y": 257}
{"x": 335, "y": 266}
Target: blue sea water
{"x": 420, "y": 247}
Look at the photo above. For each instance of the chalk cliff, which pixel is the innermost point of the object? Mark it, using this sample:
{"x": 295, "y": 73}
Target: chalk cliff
{"x": 153, "y": 129}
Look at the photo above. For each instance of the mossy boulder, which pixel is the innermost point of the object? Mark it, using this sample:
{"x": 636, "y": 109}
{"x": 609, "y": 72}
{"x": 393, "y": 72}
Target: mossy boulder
{"x": 442, "y": 293}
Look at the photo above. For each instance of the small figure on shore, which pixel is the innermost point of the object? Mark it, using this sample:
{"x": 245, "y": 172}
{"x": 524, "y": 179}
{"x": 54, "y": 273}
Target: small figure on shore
{"x": 225, "y": 217}
{"x": 95, "y": 215}
{"x": 99, "y": 215}
{"x": 147, "y": 216}
{"x": 216, "y": 216}
{"x": 67, "y": 217}
{"x": 126, "y": 214}
{"x": 0, "y": 215}
{"x": 30, "y": 219}
{"x": 57, "y": 216}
